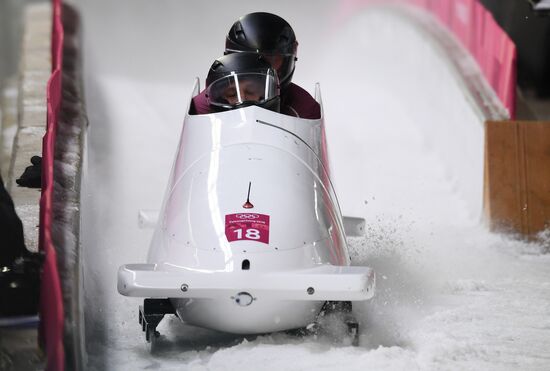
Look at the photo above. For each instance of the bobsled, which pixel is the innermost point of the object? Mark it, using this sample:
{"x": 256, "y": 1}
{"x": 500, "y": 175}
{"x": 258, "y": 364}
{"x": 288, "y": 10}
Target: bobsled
{"x": 250, "y": 238}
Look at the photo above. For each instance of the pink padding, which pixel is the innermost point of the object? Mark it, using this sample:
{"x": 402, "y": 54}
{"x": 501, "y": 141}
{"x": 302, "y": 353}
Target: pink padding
{"x": 476, "y": 29}
{"x": 442, "y": 9}
{"x": 489, "y": 44}
{"x": 463, "y": 21}
{"x": 51, "y": 298}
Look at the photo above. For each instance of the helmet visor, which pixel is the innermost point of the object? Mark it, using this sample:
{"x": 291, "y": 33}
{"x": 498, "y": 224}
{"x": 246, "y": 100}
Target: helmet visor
{"x": 239, "y": 88}
{"x": 282, "y": 63}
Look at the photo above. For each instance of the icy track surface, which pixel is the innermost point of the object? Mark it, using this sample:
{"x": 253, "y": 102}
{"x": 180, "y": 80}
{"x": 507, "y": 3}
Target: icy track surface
{"x": 450, "y": 295}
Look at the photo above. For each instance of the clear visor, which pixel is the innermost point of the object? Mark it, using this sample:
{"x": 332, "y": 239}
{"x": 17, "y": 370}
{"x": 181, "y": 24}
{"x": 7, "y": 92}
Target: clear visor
{"x": 239, "y": 88}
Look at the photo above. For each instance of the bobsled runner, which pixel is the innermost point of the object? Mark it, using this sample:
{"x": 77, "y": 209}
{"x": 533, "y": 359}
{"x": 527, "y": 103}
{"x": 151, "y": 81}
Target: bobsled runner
{"x": 250, "y": 238}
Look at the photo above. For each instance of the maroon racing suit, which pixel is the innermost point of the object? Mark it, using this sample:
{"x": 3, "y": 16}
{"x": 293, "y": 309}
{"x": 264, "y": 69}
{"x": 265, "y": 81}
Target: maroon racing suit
{"x": 295, "y": 101}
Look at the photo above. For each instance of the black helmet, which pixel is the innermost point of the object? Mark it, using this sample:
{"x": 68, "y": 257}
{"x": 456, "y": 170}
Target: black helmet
{"x": 242, "y": 79}
{"x": 269, "y": 35}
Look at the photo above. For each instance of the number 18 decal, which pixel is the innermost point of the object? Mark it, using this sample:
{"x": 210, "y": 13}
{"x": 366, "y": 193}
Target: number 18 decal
{"x": 247, "y": 226}
{"x": 250, "y": 234}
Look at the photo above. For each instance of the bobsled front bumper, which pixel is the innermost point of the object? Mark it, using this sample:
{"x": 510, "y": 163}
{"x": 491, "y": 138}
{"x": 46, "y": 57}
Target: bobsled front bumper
{"x": 324, "y": 282}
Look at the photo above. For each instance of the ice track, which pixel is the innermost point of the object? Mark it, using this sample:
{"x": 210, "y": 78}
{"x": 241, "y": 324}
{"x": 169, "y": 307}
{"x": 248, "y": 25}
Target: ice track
{"x": 450, "y": 295}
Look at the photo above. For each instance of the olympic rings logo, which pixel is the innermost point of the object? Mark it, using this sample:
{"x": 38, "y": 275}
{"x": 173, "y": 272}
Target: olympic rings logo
{"x": 247, "y": 216}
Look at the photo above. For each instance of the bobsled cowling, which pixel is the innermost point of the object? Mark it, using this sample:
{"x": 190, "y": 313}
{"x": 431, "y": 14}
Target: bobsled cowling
{"x": 249, "y": 209}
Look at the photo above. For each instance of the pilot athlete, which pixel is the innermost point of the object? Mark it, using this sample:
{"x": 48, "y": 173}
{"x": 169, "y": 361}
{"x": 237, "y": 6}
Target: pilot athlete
{"x": 272, "y": 37}
{"x": 240, "y": 80}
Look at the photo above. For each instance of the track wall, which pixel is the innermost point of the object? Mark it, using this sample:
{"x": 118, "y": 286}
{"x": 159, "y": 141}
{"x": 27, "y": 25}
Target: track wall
{"x": 479, "y": 33}
{"x": 51, "y": 300}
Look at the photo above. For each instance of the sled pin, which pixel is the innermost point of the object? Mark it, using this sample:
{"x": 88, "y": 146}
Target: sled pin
{"x": 184, "y": 287}
{"x": 310, "y": 290}
{"x": 247, "y": 204}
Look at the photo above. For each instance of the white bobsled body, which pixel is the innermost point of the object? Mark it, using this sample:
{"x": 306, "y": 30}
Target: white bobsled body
{"x": 250, "y": 237}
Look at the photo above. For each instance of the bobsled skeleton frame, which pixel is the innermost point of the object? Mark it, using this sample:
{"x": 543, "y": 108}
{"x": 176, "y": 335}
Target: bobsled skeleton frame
{"x": 250, "y": 238}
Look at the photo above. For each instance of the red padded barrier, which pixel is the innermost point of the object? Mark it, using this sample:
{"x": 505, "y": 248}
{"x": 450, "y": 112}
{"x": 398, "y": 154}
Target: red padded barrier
{"x": 442, "y": 9}
{"x": 489, "y": 44}
{"x": 462, "y": 23}
{"x": 51, "y": 298}
{"x": 478, "y": 31}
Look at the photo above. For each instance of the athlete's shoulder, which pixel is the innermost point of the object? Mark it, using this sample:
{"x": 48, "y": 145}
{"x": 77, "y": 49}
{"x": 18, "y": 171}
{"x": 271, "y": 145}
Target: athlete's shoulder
{"x": 200, "y": 104}
{"x": 301, "y": 101}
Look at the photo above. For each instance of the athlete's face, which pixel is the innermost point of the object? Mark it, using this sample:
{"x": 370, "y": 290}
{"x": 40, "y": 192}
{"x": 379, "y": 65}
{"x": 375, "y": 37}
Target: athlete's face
{"x": 249, "y": 91}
